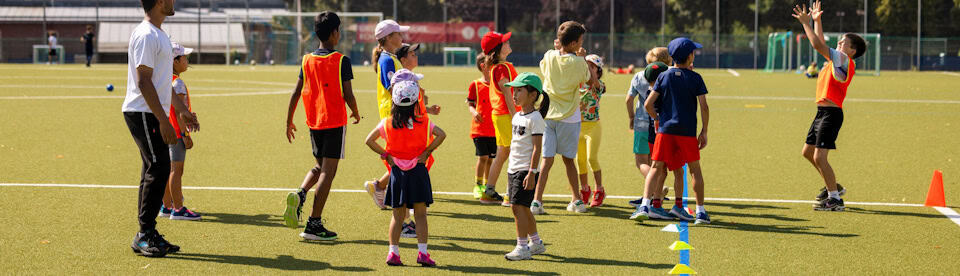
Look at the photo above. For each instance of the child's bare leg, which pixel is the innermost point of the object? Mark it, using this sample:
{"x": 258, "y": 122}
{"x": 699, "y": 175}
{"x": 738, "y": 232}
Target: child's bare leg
{"x": 829, "y": 178}
{"x": 502, "y": 154}
{"x": 174, "y": 186}
{"x": 481, "y": 168}
{"x": 311, "y": 178}
{"x": 677, "y": 186}
{"x": 420, "y": 217}
{"x": 572, "y": 176}
{"x": 597, "y": 177}
{"x": 395, "y": 225}
{"x": 521, "y": 217}
{"x": 654, "y": 178}
{"x": 486, "y": 169}
{"x": 808, "y": 153}
{"x": 583, "y": 182}
{"x": 696, "y": 180}
{"x": 546, "y": 163}
{"x": 383, "y": 181}
{"x": 327, "y": 172}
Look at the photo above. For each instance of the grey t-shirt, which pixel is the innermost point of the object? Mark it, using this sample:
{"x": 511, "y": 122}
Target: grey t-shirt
{"x": 841, "y": 63}
{"x": 640, "y": 88}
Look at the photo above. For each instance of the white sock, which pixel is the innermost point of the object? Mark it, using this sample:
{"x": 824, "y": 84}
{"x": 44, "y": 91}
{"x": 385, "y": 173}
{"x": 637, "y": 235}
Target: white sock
{"x": 645, "y": 202}
{"x": 395, "y": 249}
{"x": 522, "y": 242}
{"x": 535, "y": 237}
{"x": 422, "y": 247}
{"x": 700, "y": 209}
{"x": 835, "y": 194}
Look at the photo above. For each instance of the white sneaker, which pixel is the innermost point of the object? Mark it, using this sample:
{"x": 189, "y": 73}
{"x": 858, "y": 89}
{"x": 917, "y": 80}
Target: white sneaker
{"x": 536, "y": 248}
{"x": 536, "y": 207}
{"x": 577, "y": 206}
{"x": 376, "y": 194}
{"x": 519, "y": 253}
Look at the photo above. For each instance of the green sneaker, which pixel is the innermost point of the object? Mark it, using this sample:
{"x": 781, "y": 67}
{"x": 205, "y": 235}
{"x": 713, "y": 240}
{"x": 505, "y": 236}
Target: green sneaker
{"x": 478, "y": 190}
{"x": 290, "y": 213}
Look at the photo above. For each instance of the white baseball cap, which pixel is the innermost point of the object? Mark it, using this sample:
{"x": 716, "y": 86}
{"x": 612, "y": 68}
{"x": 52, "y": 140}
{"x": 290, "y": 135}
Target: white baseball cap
{"x": 179, "y": 50}
{"x": 595, "y": 59}
{"x": 387, "y": 27}
{"x": 405, "y": 88}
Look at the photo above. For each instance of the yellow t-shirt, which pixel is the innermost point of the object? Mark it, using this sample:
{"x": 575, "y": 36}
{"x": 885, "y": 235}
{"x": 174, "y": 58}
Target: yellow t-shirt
{"x": 562, "y": 76}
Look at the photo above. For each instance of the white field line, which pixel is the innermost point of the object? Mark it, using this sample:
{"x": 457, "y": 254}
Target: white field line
{"x": 733, "y": 72}
{"x": 950, "y": 213}
{"x": 951, "y": 73}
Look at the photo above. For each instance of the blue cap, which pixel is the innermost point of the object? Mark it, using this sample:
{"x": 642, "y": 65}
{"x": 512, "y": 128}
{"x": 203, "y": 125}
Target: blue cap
{"x": 681, "y": 47}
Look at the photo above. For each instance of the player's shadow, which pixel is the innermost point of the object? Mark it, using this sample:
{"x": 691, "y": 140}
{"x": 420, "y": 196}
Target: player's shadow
{"x": 474, "y": 202}
{"x": 756, "y": 215}
{"x": 282, "y": 262}
{"x": 434, "y": 246}
{"x": 252, "y": 220}
{"x": 611, "y": 212}
{"x": 491, "y": 270}
{"x": 603, "y": 262}
{"x": 893, "y": 213}
{"x": 737, "y": 206}
{"x": 782, "y": 229}
{"x": 483, "y": 217}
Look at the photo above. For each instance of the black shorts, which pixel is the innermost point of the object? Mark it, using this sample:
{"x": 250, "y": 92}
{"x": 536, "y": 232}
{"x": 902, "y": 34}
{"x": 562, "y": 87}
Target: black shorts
{"x": 52, "y": 52}
{"x": 518, "y": 195}
{"x": 486, "y": 146}
{"x": 327, "y": 143}
{"x": 825, "y": 128}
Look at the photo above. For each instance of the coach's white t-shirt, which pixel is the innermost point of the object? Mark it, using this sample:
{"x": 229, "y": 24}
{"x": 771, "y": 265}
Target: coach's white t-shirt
{"x": 149, "y": 46}
{"x": 525, "y": 126}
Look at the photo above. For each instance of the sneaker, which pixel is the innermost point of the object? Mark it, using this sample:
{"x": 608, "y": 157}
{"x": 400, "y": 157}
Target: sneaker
{"x": 171, "y": 248}
{"x": 302, "y": 194}
{"x": 829, "y": 204}
{"x": 290, "y": 213}
{"x": 642, "y": 213}
{"x": 702, "y": 218}
{"x": 184, "y": 214}
{"x": 585, "y": 195}
{"x": 424, "y": 260}
{"x": 660, "y": 213}
{"x": 393, "y": 260}
{"x": 478, "y": 190}
{"x": 536, "y": 207}
{"x": 409, "y": 230}
{"x": 376, "y": 194}
{"x": 636, "y": 203}
{"x": 680, "y": 213}
{"x": 164, "y": 211}
{"x": 147, "y": 244}
{"x": 491, "y": 197}
{"x": 315, "y": 231}
{"x": 598, "y": 197}
{"x": 577, "y": 206}
{"x": 824, "y": 194}
{"x": 519, "y": 253}
{"x": 536, "y": 248}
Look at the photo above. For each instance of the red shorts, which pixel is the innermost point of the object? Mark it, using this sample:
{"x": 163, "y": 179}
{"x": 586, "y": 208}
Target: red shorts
{"x": 675, "y": 150}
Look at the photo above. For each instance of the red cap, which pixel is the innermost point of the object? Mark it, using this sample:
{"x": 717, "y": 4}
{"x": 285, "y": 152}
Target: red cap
{"x": 492, "y": 39}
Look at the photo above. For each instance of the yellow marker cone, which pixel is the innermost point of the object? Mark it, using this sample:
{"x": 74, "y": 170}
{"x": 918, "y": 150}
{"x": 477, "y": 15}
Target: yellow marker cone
{"x": 682, "y": 269}
{"x": 679, "y": 245}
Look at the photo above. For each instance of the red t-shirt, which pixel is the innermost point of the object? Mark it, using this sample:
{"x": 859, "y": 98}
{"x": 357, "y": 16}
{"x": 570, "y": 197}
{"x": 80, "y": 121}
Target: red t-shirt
{"x": 479, "y": 94}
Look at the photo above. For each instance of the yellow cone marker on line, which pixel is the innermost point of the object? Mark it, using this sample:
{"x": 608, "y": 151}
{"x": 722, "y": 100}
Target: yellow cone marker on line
{"x": 682, "y": 269}
{"x": 680, "y": 245}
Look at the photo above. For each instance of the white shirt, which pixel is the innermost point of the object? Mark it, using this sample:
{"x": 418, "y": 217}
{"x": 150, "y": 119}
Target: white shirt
{"x": 52, "y": 41}
{"x": 841, "y": 63}
{"x": 149, "y": 46}
{"x": 179, "y": 87}
{"x": 525, "y": 126}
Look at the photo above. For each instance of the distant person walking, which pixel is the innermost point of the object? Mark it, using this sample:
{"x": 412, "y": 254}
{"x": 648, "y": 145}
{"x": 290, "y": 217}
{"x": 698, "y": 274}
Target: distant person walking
{"x": 88, "y": 39}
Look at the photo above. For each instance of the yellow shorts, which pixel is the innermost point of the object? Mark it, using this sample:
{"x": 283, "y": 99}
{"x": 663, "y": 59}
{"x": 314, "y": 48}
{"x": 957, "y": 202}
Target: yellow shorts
{"x": 503, "y": 126}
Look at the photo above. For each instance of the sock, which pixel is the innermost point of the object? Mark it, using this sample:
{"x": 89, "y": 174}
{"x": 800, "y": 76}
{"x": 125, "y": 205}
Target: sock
{"x": 835, "y": 194}
{"x": 645, "y": 202}
{"x": 422, "y": 247}
{"x": 535, "y": 238}
{"x": 480, "y": 180}
{"x": 657, "y": 203}
{"x": 395, "y": 249}
{"x": 679, "y": 203}
{"x": 700, "y": 209}
{"x": 522, "y": 242}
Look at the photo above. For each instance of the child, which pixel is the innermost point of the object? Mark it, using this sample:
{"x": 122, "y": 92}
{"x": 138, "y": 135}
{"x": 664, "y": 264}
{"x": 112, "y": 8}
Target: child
{"x": 325, "y": 83}
{"x": 676, "y": 143}
{"x": 496, "y": 48}
{"x": 564, "y": 71}
{"x": 389, "y": 40}
{"x": 589, "y": 145}
{"x": 410, "y": 140}
{"x": 52, "y": 44}
{"x": 481, "y": 127}
{"x": 812, "y": 70}
{"x": 528, "y": 128}
{"x": 173, "y": 195}
{"x": 832, "y": 84}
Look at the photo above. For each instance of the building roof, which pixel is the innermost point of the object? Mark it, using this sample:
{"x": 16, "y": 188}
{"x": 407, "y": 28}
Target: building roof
{"x": 115, "y": 37}
{"x": 130, "y": 14}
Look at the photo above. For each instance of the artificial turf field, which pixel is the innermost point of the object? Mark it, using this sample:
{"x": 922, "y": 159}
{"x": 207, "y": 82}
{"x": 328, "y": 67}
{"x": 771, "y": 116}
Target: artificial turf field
{"x": 59, "y": 126}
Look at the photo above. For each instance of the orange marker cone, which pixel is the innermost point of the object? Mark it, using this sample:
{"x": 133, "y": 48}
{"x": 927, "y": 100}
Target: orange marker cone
{"x": 935, "y": 196}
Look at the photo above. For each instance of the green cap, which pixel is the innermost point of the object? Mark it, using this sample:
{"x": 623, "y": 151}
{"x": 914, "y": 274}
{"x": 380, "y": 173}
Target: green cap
{"x": 527, "y": 78}
{"x": 653, "y": 71}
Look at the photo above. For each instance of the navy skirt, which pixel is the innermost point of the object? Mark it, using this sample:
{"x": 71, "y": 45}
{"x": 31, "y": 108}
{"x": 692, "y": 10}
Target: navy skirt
{"x": 409, "y": 187}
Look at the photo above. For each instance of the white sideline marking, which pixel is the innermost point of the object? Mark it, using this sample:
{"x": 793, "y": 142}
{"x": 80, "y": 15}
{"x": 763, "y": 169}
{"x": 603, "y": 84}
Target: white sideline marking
{"x": 733, "y": 72}
{"x": 951, "y": 73}
{"x": 950, "y": 213}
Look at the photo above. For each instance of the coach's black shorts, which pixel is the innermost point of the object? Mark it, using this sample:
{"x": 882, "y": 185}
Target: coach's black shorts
{"x": 486, "y": 146}
{"x": 327, "y": 143}
{"x": 518, "y": 195}
{"x": 825, "y": 128}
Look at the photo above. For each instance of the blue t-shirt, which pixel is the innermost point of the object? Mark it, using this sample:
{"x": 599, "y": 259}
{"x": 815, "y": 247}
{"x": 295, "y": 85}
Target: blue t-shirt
{"x": 640, "y": 88}
{"x": 678, "y": 90}
{"x": 385, "y": 63}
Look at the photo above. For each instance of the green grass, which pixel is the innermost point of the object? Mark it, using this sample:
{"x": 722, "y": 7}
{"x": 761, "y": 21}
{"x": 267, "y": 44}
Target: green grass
{"x": 888, "y": 151}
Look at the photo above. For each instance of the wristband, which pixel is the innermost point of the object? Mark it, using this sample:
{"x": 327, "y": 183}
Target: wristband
{"x": 384, "y": 155}
{"x": 534, "y": 170}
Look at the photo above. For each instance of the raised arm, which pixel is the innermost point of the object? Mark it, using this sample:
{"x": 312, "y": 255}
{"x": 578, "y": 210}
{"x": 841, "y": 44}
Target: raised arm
{"x": 816, "y": 40}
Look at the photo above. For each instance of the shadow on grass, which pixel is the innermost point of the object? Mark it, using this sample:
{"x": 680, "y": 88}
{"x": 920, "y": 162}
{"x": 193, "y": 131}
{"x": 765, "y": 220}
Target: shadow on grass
{"x": 484, "y": 217}
{"x": 892, "y": 213}
{"x": 756, "y": 215}
{"x": 252, "y": 220}
{"x": 782, "y": 229}
{"x": 282, "y": 262}
{"x": 411, "y": 244}
{"x": 491, "y": 270}
{"x": 603, "y": 262}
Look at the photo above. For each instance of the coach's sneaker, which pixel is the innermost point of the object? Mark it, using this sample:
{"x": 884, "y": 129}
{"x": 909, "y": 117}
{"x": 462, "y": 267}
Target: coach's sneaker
{"x": 519, "y": 253}
{"x": 681, "y": 213}
{"x": 824, "y": 194}
{"x": 290, "y": 213}
{"x": 376, "y": 194}
{"x": 660, "y": 213}
{"x": 409, "y": 230}
{"x": 393, "y": 259}
{"x": 424, "y": 259}
{"x": 636, "y": 203}
{"x": 536, "y": 207}
{"x": 171, "y": 248}
{"x": 478, "y": 190}
{"x": 829, "y": 204}
{"x": 702, "y": 218}
{"x": 585, "y": 195}
{"x": 164, "y": 211}
{"x": 598, "y": 197}
{"x": 184, "y": 214}
{"x": 315, "y": 231}
{"x": 577, "y": 206}
{"x": 147, "y": 244}
{"x": 536, "y": 248}
{"x": 642, "y": 213}
{"x": 302, "y": 194}
{"x": 490, "y": 196}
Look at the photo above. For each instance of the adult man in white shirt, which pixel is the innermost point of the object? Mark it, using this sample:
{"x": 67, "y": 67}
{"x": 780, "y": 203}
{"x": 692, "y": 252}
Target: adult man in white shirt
{"x": 148, "y": 100}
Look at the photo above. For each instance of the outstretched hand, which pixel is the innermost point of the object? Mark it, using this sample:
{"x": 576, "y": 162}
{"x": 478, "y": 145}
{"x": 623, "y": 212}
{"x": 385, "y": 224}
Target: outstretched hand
{"x": 801, "y": 14}
{"x": 816, "y": 11}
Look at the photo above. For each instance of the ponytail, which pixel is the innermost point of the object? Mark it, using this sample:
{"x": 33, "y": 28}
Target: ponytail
{"x": 493, "y": 58}
{"x": 375, "y": 56}
{"x": 544, "y": 104}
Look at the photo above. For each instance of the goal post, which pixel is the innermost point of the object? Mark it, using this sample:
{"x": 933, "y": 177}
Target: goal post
{"x": 459, "y": 56}
{"x": 286, "y": 42}
{"x": 41, "y": 53}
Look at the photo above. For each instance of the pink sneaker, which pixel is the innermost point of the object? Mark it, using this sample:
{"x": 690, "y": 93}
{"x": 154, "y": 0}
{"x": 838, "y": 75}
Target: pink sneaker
{"x": 423, "y": 259}
{"x": 394, "y": 260}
